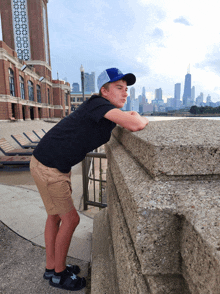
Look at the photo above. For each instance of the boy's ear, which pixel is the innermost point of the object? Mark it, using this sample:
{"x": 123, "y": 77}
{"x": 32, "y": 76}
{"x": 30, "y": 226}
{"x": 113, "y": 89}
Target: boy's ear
{"x": 103, "y": 91}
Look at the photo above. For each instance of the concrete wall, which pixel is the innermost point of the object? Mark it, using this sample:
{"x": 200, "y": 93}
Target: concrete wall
{"x": 164, "y": 207}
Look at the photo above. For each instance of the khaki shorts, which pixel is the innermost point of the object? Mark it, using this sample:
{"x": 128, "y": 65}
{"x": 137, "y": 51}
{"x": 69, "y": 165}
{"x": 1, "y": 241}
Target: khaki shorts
{"x": 54, "y": 187}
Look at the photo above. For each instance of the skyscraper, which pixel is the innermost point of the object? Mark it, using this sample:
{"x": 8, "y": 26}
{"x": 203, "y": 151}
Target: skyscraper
{"x": 193, "y": 95}
{"x": 158, "y": 94}
{"x": 132, "y": 93}
{"x": 177, "y": 91}
{"x": 187, "y": 89}
{"x": 75, "y": 87}
{"x": 208, "y": 100}
{"x": 199, "y": 100}
{"x": 90, "y": 82}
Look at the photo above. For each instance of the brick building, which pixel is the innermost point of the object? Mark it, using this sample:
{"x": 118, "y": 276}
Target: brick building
{"x": 76, "y": 99}
{"x": 27, "y": 90}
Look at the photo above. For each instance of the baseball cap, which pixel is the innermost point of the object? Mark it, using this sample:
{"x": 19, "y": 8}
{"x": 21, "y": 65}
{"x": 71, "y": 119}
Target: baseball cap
{"x": 114, "y": 74}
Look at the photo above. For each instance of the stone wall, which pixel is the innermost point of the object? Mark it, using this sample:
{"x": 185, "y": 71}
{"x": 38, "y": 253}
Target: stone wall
{"x": 163, "y": 188}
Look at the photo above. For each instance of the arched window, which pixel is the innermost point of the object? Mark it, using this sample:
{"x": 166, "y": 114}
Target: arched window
{"x": 21, "y": 80}
{"x": 11, "y": 82}
{"x": 48, "y": 95}
{"x": 38, "y": 94}
{"x": 31, "y": 91}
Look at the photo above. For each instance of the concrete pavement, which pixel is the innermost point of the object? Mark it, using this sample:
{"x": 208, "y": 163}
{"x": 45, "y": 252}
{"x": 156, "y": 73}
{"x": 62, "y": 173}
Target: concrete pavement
{"x": 22, "y": 222}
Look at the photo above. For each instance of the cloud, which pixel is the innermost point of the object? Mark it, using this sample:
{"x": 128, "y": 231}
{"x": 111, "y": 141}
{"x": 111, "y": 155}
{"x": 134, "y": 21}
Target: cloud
{"x": 182, "y": 20}
{"x": 158, "y": 33}
{"x": 211, "y": 61}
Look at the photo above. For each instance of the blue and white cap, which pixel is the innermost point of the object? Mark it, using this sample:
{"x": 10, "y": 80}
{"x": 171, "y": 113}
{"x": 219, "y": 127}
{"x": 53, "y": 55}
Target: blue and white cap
{"x": 114, "y": 74}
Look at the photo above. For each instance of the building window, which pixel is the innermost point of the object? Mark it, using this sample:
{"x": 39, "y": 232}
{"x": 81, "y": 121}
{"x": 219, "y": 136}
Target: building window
{"x": 38, "y": 94}
{"x": 48, "y": 95}
{"x": 22, "y": 87}
{"x": 66, "y": 100}
{"x": 31, "y": 91}
{"x": 11, "y": 82}
{"x": 21, "y": 31}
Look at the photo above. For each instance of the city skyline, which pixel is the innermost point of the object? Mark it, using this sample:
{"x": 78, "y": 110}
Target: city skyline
{"x": 155, "y": 40}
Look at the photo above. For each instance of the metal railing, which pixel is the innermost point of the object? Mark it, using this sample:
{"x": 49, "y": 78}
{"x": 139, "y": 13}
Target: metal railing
{"x": 94, "y": 180}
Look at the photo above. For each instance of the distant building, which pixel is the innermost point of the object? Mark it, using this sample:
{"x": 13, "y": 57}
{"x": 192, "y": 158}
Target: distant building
{"x": 140, "y": 99}
{"x": 128, "y": 104}
{"x": 132, "y": 93}
{"x": 171, "y": 103}
{"x": 193, "y": 95}
{"x": 147, "y": 108}
{"x": 76, "y": 99}
{"x": 208, "y": 100}
{"x": 177, "y": 91}
{"x": 143, "y": 95}
{"x": 187, "y": 90}
{"x": 199, "y": 100}
{"x": 89, "y": 82}
{"x": 75, "y": 87}
{"x": 158, "y": 94}
{"x": 135, "y": 105}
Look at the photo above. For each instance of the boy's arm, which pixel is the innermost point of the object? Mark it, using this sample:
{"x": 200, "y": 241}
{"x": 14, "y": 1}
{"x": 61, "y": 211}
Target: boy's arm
{"x": 130, "y": 120}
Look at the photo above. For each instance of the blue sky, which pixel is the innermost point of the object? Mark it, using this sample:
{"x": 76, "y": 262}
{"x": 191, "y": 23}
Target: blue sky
{"x": 154, "y": 39}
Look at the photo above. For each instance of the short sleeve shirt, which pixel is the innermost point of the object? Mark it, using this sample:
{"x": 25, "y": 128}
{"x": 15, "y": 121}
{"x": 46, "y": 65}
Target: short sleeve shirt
{"x": 84, "y": 130}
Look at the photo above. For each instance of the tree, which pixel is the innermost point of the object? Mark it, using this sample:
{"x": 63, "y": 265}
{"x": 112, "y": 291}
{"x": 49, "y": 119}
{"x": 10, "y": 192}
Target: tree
{"x": 194, "y": 109}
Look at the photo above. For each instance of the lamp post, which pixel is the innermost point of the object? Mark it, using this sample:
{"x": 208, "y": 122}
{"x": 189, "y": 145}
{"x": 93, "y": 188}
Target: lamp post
{"x": 84, "y": 162}
{"x": 82, "y": 79}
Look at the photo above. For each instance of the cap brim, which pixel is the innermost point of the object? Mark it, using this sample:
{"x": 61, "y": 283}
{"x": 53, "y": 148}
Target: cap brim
{"x": 129, "y": 78}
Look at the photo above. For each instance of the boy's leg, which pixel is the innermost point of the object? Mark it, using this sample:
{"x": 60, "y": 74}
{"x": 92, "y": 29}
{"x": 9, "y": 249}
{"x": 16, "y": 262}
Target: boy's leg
{"x": 50, "y": 234}
{"x": 69, "y": 222}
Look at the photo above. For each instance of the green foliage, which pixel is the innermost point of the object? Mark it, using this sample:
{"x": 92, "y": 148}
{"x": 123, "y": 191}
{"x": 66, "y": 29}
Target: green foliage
{"x": 204, "y": 110}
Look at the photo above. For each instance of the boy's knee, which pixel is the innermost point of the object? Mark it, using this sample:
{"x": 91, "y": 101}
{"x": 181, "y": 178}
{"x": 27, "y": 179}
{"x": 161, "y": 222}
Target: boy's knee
{"x": 77, "y": 219}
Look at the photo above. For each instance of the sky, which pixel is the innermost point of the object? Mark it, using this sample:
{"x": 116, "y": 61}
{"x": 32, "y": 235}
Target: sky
{"x": 157, "y": 40}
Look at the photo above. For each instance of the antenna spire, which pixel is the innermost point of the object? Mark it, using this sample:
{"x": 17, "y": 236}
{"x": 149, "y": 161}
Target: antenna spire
{"x": 188, "y": 69}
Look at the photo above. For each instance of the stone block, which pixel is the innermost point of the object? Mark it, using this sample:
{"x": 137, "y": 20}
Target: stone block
{"x": 103, "y": 276}
{"x": 130, "y": 278}
{"x": 168, "y": 185}
{"x": 175, "y": 148}
{"x": 200, "y": 265}
{"x": 129, "y": 272}
{"x": 149, "y": 211}
{"x": 167, "y": 284}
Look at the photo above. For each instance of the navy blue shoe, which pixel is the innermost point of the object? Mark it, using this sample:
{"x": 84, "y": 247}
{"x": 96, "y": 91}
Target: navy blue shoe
{"x": 73, "y": 269}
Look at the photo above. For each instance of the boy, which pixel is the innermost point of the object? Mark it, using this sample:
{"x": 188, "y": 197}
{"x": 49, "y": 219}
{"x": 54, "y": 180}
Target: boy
{"x": 65, "y": 145}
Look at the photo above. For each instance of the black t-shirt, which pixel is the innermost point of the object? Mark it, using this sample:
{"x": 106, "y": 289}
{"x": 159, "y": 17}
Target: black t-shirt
{"x": 84, "y": 130}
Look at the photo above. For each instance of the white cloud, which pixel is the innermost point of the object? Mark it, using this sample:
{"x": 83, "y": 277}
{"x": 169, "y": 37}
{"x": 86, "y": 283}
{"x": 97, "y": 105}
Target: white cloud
{"x": 152, "y": 38}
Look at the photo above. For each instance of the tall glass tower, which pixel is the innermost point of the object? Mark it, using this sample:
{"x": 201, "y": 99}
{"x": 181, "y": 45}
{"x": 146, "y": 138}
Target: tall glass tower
{"x": 187, "y": 89}
{"x": 177, "y": 90}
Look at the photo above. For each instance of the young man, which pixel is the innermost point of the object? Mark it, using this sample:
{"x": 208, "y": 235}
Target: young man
{"x": 65, "y": 145}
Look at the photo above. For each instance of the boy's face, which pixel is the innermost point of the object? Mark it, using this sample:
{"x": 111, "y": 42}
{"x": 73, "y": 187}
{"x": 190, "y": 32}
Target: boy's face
{"x": 116, "y": 93}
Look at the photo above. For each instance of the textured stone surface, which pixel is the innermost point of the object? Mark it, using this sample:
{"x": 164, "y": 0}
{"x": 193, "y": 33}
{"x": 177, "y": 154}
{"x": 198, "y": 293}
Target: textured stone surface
{"x": 129, "y": 273}
{"x": 201, "y": 268}
{"x": 167, "y": 284}
{"x": 171, "y": 207}
{"x": 150, "y": 214}
{"x": 179, "y": 147}
{"x": 103, "y": 277}
{"x": 130, "y": 278}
